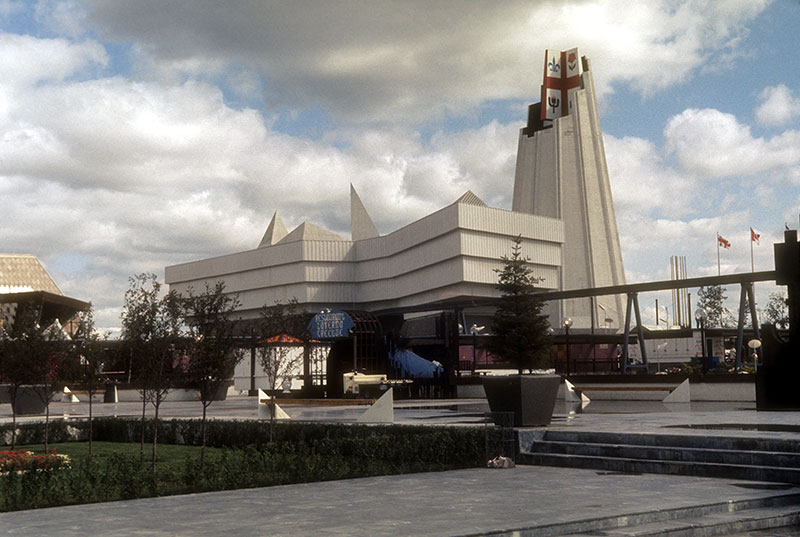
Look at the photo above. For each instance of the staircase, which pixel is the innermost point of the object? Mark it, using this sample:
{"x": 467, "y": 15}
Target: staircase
{"x": 730, "y": 519}
{"x": 753, "y": 459}
{"x": 741, "y": 458}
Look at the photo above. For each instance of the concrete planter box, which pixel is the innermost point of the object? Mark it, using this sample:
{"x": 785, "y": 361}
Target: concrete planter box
{"x": 531, "y": 398}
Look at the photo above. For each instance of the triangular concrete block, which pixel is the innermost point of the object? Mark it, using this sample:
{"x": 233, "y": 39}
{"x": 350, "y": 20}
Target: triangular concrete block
{"x": 69, "y": 397}
{"x": 381, "y": 411}
{"x": 275, "y": 231}
{"x": 572, "y": 395}
{"x": 361, "y": 226}
{"x": 264, "y": 406}
{"x": 681, "y": 394}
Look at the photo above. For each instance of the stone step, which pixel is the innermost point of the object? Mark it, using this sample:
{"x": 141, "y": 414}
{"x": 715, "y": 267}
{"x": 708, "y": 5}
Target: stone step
{"x": 628, "y": 465}
{"x": 683, "y": 454}
{"x": 715, "y": 518}
{"x": 711, "y": 441}
{"x": 707, "y": 525}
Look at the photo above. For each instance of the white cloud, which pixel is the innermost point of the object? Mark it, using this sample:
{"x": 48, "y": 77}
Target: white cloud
{"x": 405, "y": 61}
{"x": 779, "y": 106}
{"x": 26, "y": 60}
{"x": 134, "y": 176}
{"x": 63, "y": 17}
{"x": 641, "y": 182}
{"x": 711, "y": 143}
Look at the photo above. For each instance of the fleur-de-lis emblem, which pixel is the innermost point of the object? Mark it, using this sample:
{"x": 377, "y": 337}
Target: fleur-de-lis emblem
{"x": 554, "y": 65}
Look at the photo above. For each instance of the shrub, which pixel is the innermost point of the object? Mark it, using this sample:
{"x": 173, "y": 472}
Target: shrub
{"x": 300, "y": 452}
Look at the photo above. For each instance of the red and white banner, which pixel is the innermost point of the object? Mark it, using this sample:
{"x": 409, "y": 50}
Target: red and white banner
{"x": 721, "y": 241}
{"x": 755, "y": 237}
{"x": 562, "y": 78}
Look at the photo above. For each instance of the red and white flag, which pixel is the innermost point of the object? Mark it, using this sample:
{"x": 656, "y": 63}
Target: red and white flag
{"x": 755, "y": 237}
{"x": 721, "y": 241}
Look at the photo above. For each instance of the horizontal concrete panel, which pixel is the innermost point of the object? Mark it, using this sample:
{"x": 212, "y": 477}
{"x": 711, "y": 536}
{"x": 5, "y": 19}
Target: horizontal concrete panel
{"x": 445, "y": 273}
{"x": 490, "y": 246}
{"x": 434, "y": 251}
{"x": 512, "y": 224}
{"x": 484, "y": 271}
{"x": 460, "y": 290}
{"x": 270, "y": 256}
{"x": 414, "y": 234}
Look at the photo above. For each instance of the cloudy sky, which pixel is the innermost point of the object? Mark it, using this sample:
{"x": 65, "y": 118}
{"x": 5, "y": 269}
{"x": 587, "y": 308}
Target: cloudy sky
{"x": 135, "y": 135}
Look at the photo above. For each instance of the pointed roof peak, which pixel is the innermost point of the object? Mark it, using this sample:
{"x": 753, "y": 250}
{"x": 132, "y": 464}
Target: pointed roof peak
{"x": 309, "y": 232}
{"x": 470, "y": 198}
{"x": 361, "y": 226}
{"x": 276, "y": 231}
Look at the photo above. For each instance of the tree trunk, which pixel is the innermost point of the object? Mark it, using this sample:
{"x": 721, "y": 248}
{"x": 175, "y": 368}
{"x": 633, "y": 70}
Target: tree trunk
{"x": 14, "y": 417}
{"x": 271, "y": 417}
{"x": 91, "y": 393}
{"x": 144, "y": 411}
{"x": 203, "y": 436}
{"x": 47, "y": 427}
{"x": 155, "y": 432}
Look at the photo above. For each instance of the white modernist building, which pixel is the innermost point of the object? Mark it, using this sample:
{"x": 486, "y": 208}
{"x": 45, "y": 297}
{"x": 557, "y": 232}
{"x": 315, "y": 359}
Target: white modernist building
{"x": 562, "y": 209}
{"x": 444, "y": 260}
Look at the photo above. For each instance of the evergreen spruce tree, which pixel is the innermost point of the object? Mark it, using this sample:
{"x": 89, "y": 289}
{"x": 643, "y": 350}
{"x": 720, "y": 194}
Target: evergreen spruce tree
{"x": 521, "y": 330}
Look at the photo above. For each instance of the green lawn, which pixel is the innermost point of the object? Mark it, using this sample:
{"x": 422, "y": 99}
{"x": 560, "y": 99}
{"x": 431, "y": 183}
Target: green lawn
{"x": 168, "y": 454}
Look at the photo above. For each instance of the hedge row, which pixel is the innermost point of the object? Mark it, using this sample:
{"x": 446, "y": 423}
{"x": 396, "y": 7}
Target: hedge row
{"x": 229, "y": 433}
{"x": 301, "y": 452}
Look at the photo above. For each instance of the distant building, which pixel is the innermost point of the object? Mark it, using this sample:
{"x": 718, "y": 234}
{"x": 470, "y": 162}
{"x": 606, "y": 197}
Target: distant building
{"x": 562, "y": 209}
{"x": 24, "y": 282}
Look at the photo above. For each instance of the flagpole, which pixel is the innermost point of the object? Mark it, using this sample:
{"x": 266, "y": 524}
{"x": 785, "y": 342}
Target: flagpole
{"x": 719, "y": 272}
{"x": 752, "y": 263}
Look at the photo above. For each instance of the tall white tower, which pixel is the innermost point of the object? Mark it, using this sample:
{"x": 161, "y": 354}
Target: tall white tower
{"x": 562, "y": 173}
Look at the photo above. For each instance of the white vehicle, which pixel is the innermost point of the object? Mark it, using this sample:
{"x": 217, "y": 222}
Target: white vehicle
{"x": 359, "y": 384}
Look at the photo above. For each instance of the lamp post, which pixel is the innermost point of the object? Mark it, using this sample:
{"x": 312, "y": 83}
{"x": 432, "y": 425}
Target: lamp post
{"x": 567, "y": 322}
{"x": 474, "y": 329}
{"x": 700, "y": 315}
{"x": 754, "y": 344}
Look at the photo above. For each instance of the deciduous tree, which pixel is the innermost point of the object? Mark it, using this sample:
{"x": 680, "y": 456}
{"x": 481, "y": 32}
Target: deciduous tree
{"x": 777, "y": 310}
{"x": 712, "y": 299}
{"x": 89, "y": 347}
{"x": 277, "y": 359}
{"x": 211, "y": 355}
{"x": 151, "y": 328}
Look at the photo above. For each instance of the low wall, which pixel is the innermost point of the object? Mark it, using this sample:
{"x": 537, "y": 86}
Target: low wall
{"x": 702, "y": 388}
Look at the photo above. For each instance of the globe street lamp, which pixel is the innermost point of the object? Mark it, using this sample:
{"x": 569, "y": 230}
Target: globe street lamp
{"x": 567, "y": 322}
{"x": 700, "y": 315}
{"x": 754, "y": 344}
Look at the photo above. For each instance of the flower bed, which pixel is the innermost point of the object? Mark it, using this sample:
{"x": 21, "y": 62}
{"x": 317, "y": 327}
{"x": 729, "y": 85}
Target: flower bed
{"x": 22, "y": 461}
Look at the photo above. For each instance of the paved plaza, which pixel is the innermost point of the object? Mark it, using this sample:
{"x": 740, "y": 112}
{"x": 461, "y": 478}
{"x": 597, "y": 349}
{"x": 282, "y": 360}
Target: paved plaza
{"x": 465, "y": 502}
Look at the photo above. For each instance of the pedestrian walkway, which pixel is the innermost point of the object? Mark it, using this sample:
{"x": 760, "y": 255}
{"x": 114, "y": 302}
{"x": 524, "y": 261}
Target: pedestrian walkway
{"x": 456, "y": 503}
{"x": 533, "y": 500}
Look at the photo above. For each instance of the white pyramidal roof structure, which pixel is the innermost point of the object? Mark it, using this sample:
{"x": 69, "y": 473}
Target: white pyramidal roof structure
{"x": 360, "y": 222}
{"x": 562, "y": 209}
{"x": 275, "y": 231}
